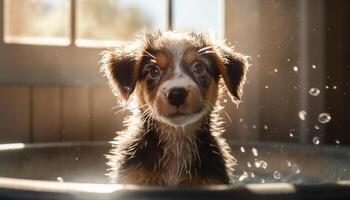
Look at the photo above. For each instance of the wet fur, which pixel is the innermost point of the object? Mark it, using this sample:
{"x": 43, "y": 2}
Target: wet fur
{"x": 151, "y": 152}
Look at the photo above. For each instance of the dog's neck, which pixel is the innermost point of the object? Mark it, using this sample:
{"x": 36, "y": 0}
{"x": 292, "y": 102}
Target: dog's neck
{"x": 179, "y": 145}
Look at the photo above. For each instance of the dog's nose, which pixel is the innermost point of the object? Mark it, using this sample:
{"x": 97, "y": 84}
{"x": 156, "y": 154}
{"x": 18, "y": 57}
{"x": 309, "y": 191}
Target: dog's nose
{"x": 177, "y": 96}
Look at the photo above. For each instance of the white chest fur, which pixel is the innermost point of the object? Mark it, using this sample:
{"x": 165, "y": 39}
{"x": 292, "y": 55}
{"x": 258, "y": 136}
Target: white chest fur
{"x": 180, "y": 150}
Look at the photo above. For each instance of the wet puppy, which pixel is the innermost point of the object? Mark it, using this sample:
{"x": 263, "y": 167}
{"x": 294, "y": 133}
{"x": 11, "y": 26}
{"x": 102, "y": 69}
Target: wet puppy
{"x": 171, "y": 83}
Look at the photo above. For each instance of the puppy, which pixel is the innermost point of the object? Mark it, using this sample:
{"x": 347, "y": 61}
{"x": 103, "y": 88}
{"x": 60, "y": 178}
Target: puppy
{"x": 171, "y": 83}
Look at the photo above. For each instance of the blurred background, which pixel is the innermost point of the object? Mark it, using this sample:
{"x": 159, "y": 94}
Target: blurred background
{"x": 298, "y": 85}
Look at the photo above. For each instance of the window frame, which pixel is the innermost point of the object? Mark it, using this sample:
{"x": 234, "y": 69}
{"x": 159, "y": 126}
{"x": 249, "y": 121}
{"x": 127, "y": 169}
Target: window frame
{"x": 37, "y": 64}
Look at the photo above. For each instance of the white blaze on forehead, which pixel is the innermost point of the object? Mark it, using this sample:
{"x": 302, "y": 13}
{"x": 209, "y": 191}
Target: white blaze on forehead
{"x": 181, "y": 80}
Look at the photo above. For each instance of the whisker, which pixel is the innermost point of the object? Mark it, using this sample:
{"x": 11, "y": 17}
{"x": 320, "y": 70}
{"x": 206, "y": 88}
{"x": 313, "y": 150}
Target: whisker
{"x": 148, "y": 53}
{"x": 205, "y": 48}
{"x": 206, "y": 52}
{"x": 227, "y": 115}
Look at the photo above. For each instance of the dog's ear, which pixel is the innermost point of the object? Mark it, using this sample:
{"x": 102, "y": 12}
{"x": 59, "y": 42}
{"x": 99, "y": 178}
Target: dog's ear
{"x": 119, "y": 65}
{"x": 233, "y": 69}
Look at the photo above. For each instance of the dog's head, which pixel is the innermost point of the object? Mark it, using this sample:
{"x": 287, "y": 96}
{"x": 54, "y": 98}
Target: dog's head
{"x": 175, "y": 76}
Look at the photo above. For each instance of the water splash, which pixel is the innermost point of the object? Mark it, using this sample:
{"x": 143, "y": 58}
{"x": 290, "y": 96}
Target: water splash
{"x": 324, "y": 118}
{"x": 316, "y": 140}
{"x": 263, "y": 164}
{"x": 266, "y": 127}
{"x": 302, "y": 114}
{"x": 242, "y": 149}
{"x": 296, "y": 169}
{"x": 243, "y": 176}
{"x": 60, "y": 179}
{"x": 249, "y": 165}
{"x": 314, "y": 91}
{"x": 288, "y": 163}
{"x": 252, "y": 174}
{"x": 295, "y": 69}
{"x": 255, "y": 151}
{"x": 257, "y": 164}
{"x": 277, "y": 175}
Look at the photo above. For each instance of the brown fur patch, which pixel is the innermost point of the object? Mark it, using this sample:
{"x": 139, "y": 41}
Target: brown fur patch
{"x": 162, "y": 60}
{"x": 190, "y": 56}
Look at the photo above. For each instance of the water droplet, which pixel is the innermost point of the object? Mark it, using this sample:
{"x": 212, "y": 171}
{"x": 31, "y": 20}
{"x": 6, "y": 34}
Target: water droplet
{"x": 252, "y": 174}
{"x": 249, "y": 165}
{"x": 313, "y": 66}
{"x": 288, "y": 163}
{"x": 225, "y": 100}
{"x": 337, "y": 141}
{"x": 275, "y": 70}
{"x": 291, "y": 135}
{"x": 302, "y": 114}
{"x": 277, "y": 175}
{"x": 288, "y": 59}
{"x": 314, "y": 91}
{"x": 266, "y": 127}
{"x": 257, "y": 164}
{"x": 255, "y": 151}
{"x": 258, "y": 56}
{"x": 243, "y": 176}
{"x": 316, "y": 140}
{"x": 327, "y": 87}
{"x": 266, "y": 87}
{"x": 295, "y": 69}
{"x": 60, "y": 179}
{"x": 76, "y": 158}
{"x": 295, "y": 169}
{"x": 240, "y": 120}
{"x": 262, "y": 180}
{"x": 254, "y": 126}
{"x": 242, "y": 149}
{"x": 317, "y": 127}
{"x": 263, "y": 164}
{"x": 334, "y": 87}
{"x": 324, "y": 118}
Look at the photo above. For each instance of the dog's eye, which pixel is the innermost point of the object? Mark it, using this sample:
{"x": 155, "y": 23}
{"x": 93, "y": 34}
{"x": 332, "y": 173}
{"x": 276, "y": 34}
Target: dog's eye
{"x": 198, "y": 68}
{"x": 153, "y": 71}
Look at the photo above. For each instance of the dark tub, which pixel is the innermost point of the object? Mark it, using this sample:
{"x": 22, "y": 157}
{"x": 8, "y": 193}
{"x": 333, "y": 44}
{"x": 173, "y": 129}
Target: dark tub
{"x": 264, "y": 171}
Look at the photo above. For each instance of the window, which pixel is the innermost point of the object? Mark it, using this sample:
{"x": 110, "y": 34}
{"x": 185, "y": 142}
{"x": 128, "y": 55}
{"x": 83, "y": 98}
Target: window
{"x": 37, "y": 22}
{"x": 96, "y": 23}
{"x": 189, "y": 15}
{"x": 99, "y": 23}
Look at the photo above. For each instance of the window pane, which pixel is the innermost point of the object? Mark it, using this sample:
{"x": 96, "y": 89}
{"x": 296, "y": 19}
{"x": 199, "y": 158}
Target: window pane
{"x": 37, "y": 21}
{"x": 104, "y": 23}
{"x": 200, "y": 15}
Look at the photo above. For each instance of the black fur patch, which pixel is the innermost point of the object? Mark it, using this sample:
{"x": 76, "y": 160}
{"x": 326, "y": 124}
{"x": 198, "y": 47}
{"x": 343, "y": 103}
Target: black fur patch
{"x": 147, "y": 150}
{"x": 212, "y": 162}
